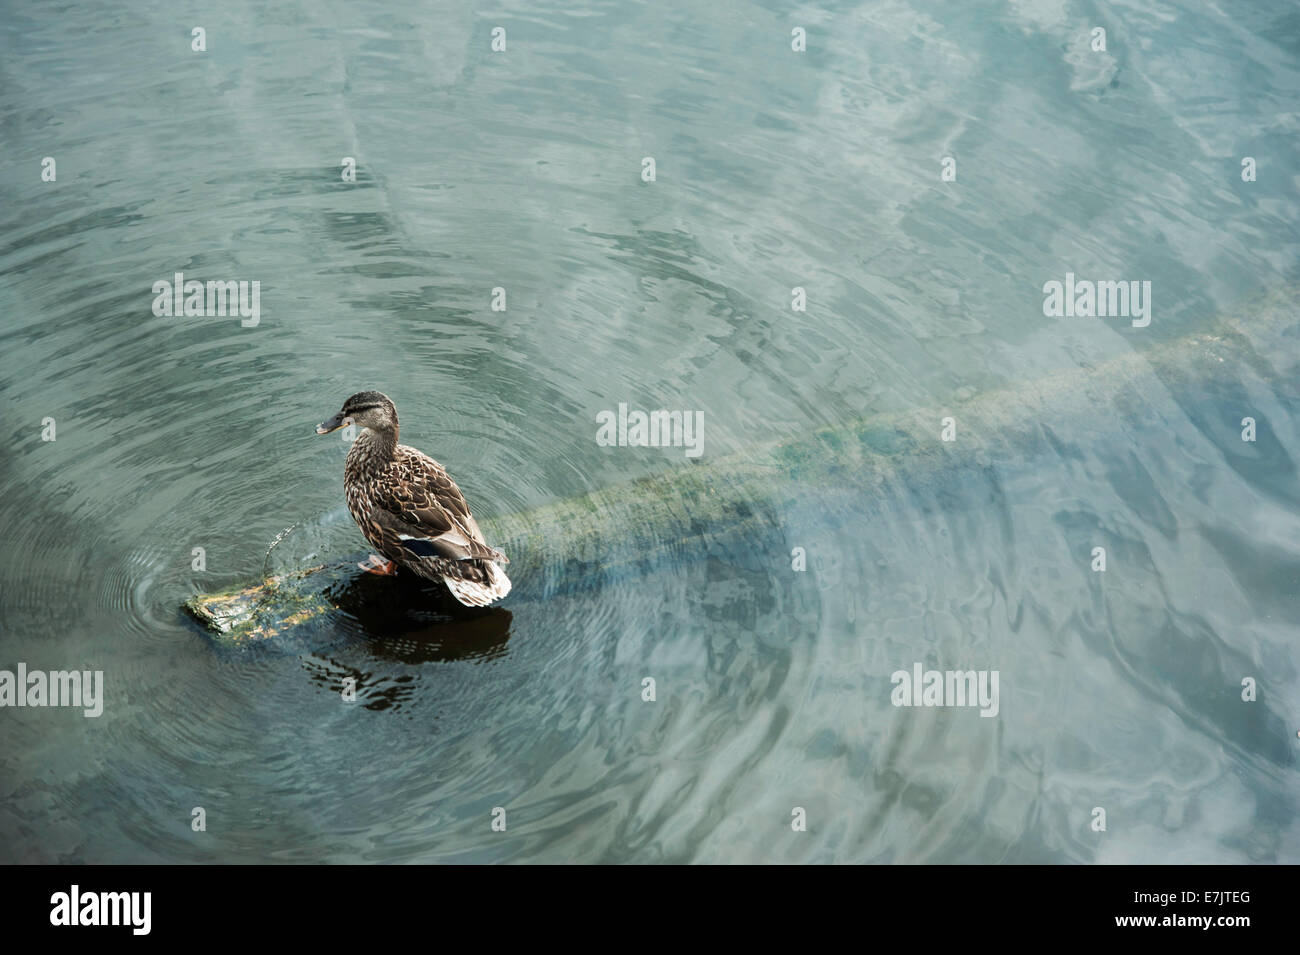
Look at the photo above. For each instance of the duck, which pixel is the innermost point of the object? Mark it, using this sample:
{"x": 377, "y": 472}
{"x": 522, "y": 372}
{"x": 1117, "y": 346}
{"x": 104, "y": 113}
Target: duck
{"x": 410, "y": 510}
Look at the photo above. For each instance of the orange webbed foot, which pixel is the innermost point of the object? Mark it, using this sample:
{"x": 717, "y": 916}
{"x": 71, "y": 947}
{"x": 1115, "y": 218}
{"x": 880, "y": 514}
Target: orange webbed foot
{"x": 374, "y": 564}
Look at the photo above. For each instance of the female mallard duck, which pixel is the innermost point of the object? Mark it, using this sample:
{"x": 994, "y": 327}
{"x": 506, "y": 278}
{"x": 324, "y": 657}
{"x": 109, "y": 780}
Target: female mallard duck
{"x": 410, "y": 510}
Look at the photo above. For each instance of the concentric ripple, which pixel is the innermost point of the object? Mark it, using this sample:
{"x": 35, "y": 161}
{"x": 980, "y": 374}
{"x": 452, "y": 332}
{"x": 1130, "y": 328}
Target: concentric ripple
{"x": 694, "y": 651}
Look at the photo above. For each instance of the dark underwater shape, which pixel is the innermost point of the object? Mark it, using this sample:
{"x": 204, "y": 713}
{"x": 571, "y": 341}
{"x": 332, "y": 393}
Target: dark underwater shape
{"x": 733, "y": 505}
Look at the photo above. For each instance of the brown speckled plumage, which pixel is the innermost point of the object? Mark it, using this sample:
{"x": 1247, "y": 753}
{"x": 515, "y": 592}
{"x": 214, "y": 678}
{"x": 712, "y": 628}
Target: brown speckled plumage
{"x": 410, "y": 510}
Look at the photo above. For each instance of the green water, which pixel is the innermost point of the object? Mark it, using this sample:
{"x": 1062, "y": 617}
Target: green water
{"x": 523, "y": 170}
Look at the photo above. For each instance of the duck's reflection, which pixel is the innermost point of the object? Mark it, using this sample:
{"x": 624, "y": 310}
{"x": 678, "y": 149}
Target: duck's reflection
{"x": 416, "y": 621}
{"x": 402, "y": 625}
{"x": 476, "y": 635}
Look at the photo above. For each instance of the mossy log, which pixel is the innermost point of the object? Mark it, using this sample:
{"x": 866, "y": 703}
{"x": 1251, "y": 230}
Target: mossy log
{"x": 714, "y": 506}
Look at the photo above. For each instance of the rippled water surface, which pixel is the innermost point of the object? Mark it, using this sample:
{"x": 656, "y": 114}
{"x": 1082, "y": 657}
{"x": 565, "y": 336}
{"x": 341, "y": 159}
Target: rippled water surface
{"x": 522, "y": 170}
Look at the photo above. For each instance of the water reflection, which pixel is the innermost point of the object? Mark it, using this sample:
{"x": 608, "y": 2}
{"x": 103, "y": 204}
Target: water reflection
{"x": 776, "y": 171}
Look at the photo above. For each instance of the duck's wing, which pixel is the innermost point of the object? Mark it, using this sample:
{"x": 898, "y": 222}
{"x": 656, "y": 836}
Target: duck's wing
{"x": 422, "y": 513}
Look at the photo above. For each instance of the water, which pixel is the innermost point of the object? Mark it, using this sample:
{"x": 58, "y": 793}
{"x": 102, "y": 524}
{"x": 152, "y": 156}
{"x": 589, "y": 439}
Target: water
{"x": 522, "y": 170}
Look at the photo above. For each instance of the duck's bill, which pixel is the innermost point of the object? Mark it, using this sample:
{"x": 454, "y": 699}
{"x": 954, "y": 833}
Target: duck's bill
{"x": 333, "y": 424}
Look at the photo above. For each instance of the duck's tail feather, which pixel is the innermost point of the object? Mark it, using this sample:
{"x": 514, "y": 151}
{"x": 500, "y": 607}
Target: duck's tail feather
{"x": 473, "y": 593}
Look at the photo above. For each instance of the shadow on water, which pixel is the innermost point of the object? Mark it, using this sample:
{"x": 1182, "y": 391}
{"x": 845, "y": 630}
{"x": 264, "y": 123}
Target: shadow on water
{"x": 395, "y": 624}
{"x": 418, "y": 621}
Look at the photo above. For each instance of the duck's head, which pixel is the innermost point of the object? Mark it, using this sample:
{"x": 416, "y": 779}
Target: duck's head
{"x": 365, "y": 409}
